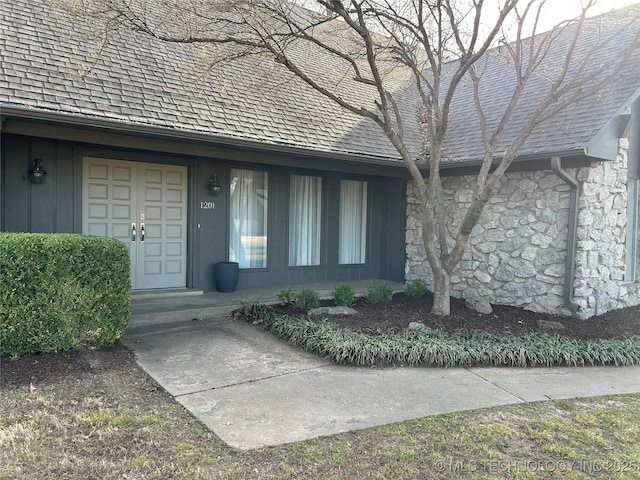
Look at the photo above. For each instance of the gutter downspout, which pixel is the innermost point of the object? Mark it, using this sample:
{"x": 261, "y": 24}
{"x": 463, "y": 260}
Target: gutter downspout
{"x": 572, "y": 237}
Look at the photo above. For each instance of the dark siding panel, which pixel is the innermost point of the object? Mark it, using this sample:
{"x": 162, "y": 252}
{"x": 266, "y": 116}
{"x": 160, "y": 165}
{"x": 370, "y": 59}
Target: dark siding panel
{"x": 397, "y": 270}
{"x": 333, "y": 229}
{"x": 209, "y": 225}
{"x": 49, "y": 207}
{"x": 386, "y": 251}
{"x": 378, "y": 215}
{"x": 42, "y": 205}
{"x": 392, "y": 229}
{"x": 55, "y": 206}
{"x": 16, "y": 185}
{"x": 278, "y": 228}
{"x": 395, "y": 251}
{"x": 65, "y": 189}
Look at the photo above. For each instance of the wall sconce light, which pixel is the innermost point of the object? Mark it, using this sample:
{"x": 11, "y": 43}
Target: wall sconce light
{"x": 37, "y": 173}
{"x": 214, "y": 186}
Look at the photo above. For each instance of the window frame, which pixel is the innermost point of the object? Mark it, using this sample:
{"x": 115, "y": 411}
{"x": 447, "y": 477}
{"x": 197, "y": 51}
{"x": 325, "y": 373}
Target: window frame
{"x": 266, "y": 186}
{"x": 320, "y": 222}
{"x": 365, "y": 229}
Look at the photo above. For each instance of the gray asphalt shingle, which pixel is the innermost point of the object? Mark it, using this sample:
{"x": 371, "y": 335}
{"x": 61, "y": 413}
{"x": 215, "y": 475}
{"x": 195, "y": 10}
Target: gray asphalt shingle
{"x": 153, "y": 83}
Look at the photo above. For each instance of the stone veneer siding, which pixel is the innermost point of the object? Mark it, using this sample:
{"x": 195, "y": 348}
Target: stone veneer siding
{"x": 516, "y": 254}
{"x": 602, "y": 226}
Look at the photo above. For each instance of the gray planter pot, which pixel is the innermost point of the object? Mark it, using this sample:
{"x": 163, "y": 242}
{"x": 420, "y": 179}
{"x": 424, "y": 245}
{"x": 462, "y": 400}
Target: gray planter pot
{"x": 226, "y": 276}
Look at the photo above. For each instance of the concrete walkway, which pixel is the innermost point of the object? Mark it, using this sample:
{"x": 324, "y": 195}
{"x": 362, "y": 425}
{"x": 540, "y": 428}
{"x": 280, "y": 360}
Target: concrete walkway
{"x": 254, "y": 390}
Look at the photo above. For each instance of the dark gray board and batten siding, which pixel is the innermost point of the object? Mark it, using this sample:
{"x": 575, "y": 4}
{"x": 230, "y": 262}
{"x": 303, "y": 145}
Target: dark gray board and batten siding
{"x": 55, "y": 206}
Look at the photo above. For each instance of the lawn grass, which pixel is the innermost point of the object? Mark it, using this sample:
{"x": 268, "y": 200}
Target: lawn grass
{"x": 98, "y": 415}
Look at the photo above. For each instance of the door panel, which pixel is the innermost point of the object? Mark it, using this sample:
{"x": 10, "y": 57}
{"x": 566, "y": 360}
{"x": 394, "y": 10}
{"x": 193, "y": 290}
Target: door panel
{"x": 163, "y": 196}
{"x": 143, "y": 205}
{"x": 108, "y": 204}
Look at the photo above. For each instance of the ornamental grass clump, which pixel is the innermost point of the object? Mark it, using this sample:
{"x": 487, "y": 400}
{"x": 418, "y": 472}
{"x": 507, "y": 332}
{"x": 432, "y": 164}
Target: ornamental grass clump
{"x": 437, "y": 348}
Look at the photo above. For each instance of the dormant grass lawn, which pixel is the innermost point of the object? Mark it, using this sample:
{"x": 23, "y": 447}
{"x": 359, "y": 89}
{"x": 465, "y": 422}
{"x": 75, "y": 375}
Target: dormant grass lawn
{"x": 93, "y": 414}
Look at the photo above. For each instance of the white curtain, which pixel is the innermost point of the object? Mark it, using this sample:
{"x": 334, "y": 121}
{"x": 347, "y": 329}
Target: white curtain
{"x": 305, "y": 214}
{"x": 353, "y": 222}
{"x": 248, "y": 218}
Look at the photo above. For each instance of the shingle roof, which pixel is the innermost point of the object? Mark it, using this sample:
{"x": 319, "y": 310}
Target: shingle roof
{"x": 153, "y": 83}
{"x": 573, "y": 128}
{"x": 147, "y": 82}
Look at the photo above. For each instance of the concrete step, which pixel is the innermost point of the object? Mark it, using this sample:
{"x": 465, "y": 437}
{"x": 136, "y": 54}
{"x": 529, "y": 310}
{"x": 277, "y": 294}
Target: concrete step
{"x": 154, "y": 310}
{"x": 137, "y": 295}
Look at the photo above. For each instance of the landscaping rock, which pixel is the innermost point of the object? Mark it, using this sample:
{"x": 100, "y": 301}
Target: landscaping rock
{"x": 550, "y": 325}
{"x": 332, "y": 311}
{"x": 478, "y": 304}
{"x": 417, "y": 326}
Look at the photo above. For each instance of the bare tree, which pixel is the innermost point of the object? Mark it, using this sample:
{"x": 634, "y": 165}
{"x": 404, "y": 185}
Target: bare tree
{"x": 384, "y": 52}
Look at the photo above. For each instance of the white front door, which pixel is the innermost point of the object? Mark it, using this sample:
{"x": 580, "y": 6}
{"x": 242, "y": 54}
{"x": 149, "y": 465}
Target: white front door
{"x": 144, "y": 205}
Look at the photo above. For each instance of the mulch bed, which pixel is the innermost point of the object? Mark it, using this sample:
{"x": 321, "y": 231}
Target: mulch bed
{"x": 397, "y": 314}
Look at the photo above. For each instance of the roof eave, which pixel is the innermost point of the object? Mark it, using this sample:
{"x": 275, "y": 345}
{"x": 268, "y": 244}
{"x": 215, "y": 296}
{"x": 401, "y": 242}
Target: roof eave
{"x": 84, "y": 121}
{"x": 23, "y": 112}
{"x": 533, "y": 159}
{"x": 604, "y": 143}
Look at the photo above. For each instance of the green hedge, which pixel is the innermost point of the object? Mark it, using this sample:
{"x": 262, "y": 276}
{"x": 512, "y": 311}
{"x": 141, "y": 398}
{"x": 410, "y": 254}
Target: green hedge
{"x": 60, "y": 291}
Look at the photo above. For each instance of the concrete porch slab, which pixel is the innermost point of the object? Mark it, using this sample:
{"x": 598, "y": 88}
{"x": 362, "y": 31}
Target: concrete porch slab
{"x": 149, "y": 311}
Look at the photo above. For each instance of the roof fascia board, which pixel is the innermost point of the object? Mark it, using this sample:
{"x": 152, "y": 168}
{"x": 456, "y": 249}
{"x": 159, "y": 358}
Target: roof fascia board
{"x": 154, "y": 131}
{"x": 526, "y": 162}
{"x": 603, "y": 144}
{"x": 536, "y": 162}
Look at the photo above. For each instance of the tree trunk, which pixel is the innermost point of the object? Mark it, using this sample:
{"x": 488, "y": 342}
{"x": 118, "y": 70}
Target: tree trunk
{"x": 441, "y": 293}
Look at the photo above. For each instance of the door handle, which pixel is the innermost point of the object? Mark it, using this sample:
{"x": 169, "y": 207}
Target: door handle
{"x": 141, "y": 232}
{"x": 133, "y": 232}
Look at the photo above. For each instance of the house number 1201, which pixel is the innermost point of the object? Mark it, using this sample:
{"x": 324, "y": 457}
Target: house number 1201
{"x": 207, "y": 205}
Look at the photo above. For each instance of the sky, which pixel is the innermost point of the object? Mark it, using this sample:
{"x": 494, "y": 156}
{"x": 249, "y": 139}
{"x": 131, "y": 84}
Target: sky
{"x": 555, "y": 11}
{"x": 566, "y": 9}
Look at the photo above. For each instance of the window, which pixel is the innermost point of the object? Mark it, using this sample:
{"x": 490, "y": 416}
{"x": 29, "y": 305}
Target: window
{"x": 305, "y": 214}
{"x": 248, "y": 218}
{"x": 353, "y": 222}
